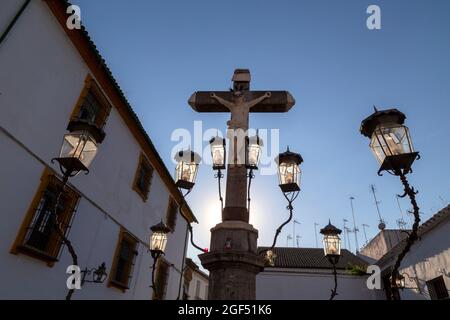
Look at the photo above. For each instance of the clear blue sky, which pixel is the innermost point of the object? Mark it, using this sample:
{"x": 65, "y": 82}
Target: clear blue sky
{"x": 321, "y": 51}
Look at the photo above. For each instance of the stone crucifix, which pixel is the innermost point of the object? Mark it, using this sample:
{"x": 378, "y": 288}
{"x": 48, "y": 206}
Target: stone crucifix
{"x": 239, "y": 108}
{"x": 233, "y": 261}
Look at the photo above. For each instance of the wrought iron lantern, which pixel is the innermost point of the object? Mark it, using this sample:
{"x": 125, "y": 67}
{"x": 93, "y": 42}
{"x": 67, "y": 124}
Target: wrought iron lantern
{"x": 99, "y": 275}
{"x": 399, "y": 281}
{"x": 331, "y": 243}
{"x": 218, "y": 152}
{"x": 79, "y": 147}
{"x": 158, "y": 239}
{"x": 390, "y": 140}
{"x": 186, "y": 170}
{"x": 289, "y": 171}
{"x": 253, "y": 153}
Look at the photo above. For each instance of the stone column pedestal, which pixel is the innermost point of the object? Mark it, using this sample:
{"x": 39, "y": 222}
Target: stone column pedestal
{"x": 232, "y": 262}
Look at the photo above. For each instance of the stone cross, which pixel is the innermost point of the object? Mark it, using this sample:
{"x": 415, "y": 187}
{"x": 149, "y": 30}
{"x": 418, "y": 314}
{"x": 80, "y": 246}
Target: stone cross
{"x": 233, "y": 261}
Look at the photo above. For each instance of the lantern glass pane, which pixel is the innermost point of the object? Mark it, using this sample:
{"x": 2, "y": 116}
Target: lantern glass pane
{"x": 186, "y": 171}
{"x": 254, "y": 154}
{"x": 218, "y": 155}
{"x": 289, "y": 172}
{"x": 79, "y": 145}
{"x": 390, "y": 140}
{"x": 331, "y": 245}
{"x": 158, "y": 241}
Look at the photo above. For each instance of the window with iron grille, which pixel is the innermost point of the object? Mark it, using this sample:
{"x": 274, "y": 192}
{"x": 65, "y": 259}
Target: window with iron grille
{"x": 124, "y": 260}
{"x": 171, "y": 216}
{"x": 162, "y": 276}
{"x": 437, "y": 289}
{"x": 143, "y": 177}
{"x": 92, "y": 105}
{"x": 38, "y": 236}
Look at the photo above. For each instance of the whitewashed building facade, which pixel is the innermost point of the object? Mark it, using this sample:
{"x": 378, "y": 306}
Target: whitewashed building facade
{"x": 426, "y": 267}
{"x": 50, "y": 75}
{"x": 196, "y": 282}
{"x": 305, "y": 274}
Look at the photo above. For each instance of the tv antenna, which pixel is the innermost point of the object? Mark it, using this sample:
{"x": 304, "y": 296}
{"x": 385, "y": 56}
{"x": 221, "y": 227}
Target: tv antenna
{"x": 401, "y": 223}
{"x": 347, "y": 230}
{"x": 289, "y": 237}
{"x": 355, "y": 229}
{"x": 297, "y": 238}
{"x": 293, "y": 234}
{"x": 382, "y": 224}
{"x": 315, "y": 232}
{"x": 364, "y": 229}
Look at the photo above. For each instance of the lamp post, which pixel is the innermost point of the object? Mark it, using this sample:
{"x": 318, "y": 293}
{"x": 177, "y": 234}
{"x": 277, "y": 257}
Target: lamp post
{"x": 158, "y": 243}
{"x": 185, "y": 176}
{"x": 218, "y": 156}
{"x": 332, "y": 250}
{"x": 233, "y": 260}
{"x": 289, "y": 182}
{"x": 253, "y": 152}
{"x": 392, "y": 146}
{"x": 78, "y": 150}
{"x": 98, "y": 274}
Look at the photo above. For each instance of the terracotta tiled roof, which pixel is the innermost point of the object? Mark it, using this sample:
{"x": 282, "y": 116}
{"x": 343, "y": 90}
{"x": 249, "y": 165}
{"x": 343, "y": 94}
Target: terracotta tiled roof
{"x": 312, "y": 258}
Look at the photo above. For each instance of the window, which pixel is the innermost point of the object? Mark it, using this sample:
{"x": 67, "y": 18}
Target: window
{"x": 197, "y": 291}
{"x": 92, "y": 105}
{"x": 143, "y": 177}
{"x": 162, "y": 275}
{"x": 37, "y": 236}
{"x": 171, "y": 216}
{"x": 437, "y": 289}
{"x": 124, "y": 259}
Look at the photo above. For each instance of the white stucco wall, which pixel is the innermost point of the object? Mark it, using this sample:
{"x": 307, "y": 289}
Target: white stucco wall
{"x": 203, "y": 292}
{"x": 430, "y": 257}
{"x": 291, "y": 284}
{"x": 41, "y": 78}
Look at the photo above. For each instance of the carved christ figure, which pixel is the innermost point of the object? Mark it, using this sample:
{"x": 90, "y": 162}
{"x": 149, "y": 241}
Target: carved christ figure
{"x": 239, "y": 108}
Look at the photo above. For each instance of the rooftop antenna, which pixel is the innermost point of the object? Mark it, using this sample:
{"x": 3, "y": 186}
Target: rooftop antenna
{"x": 315, "y": 232}
{"x": 382, "y": 224}
{"x": 444, "y": 201}
{"x": 401, "y": 223}
{"x": 355, "y": 229}
{"x": 364, "y": 229}
{"x": 345, "y": 238}
{"x": 293, "y": 234}
{"x": 298, "y": 237}
{"x": 347, "y": 231}
{"x": 289, "y": 237}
